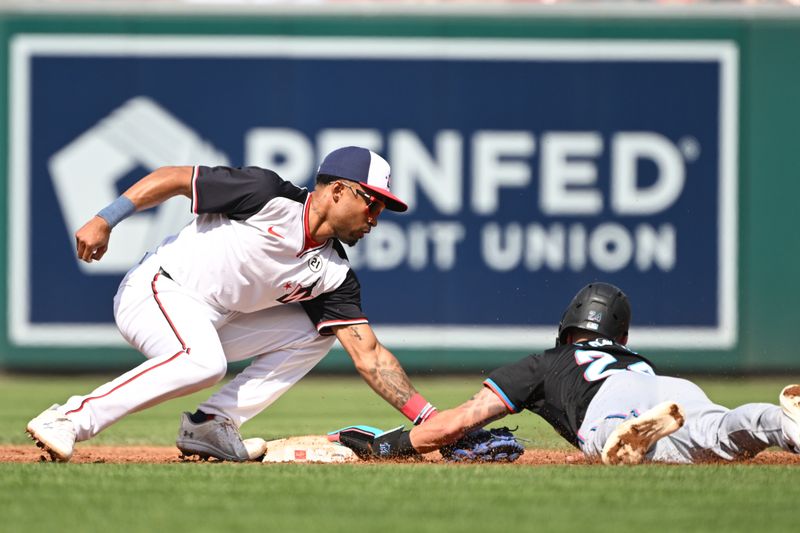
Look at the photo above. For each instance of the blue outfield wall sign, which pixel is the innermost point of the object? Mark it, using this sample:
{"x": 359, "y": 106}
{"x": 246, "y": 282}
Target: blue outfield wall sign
{"x": 531, "y": 168}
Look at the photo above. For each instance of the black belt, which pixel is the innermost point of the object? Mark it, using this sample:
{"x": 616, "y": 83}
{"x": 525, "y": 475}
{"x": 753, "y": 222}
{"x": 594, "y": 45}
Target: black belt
{"x": 164, "y": 273}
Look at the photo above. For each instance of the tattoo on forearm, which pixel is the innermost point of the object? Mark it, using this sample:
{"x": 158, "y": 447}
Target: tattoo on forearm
{"x": 481, "y": 412}
{"x": 391, "y": 382}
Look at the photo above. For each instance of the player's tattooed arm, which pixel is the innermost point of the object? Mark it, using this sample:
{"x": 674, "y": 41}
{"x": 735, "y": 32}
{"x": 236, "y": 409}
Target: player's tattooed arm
{"x": 452, "y": 424}
{"x": 376, "y": 364}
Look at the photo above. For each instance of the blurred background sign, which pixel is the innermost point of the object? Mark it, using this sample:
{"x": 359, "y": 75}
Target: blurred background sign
{"x": 536, "y": 154}
{"x": 531, "y": 168}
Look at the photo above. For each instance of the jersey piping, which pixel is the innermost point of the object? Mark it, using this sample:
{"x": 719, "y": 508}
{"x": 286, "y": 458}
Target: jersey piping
{"x": 324, "y": 328}
{"x": 492, "y": 386}
{"x": 195, "y": 197}
{"x": 309, "y": 244}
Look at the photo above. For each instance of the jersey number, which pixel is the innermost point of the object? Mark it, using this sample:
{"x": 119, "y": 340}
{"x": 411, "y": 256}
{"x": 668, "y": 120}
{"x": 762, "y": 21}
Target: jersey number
{"x": 598, "y": 361}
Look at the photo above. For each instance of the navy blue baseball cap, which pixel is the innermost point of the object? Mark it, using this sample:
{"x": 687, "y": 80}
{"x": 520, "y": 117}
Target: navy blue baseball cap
{"x": 364, "y": 166}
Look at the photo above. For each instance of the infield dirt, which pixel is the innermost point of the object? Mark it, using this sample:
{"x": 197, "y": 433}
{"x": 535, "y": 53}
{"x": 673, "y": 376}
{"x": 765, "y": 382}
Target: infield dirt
{"x": 168, "y": 454}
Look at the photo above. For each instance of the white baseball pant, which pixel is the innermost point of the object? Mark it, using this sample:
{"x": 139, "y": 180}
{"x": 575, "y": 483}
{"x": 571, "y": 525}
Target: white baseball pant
{"x": 188, "y": 344}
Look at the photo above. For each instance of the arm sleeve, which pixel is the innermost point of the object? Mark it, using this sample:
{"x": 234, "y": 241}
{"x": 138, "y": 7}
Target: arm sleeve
{"x": 238, "y": 193}
{"x": 340, "y": 307}
{"x": 519, "y": 385}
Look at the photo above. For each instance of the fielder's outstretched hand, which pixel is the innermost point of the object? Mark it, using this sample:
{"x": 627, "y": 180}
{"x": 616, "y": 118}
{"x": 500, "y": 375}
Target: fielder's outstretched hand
{"x": 480, "y": 445}
{"x": 92, "y": 239}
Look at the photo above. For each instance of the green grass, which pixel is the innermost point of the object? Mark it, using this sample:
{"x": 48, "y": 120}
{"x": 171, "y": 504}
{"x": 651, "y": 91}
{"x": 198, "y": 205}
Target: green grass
{"x": 221, "y": 497}
{"x": 420, "y": 498}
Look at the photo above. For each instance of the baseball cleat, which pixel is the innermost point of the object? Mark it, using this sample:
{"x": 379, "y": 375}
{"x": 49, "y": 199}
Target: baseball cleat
{"x": 630, "y": 442}
{"x": 790, "y": 421}
{"x": 54, "y": 433}
{"x": 217, "y": 437}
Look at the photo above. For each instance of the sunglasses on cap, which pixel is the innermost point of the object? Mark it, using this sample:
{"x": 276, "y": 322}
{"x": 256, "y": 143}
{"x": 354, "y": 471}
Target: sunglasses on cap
{"x": 374, "y": 206}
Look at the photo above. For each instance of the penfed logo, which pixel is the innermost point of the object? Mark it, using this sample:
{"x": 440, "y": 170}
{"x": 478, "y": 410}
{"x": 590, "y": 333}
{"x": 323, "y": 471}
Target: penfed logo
{"x": 570, "y": 179}
{"x": 579, "y": 187}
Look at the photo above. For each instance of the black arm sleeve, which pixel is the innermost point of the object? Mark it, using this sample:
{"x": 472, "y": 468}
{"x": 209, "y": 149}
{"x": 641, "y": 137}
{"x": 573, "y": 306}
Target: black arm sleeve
{"x": 239, "y": 193}
{"x": 337, "y": 308}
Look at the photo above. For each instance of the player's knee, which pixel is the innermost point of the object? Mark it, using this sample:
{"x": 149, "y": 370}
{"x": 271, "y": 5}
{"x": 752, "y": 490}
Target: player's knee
{"x": 211, "y": 369}
{"x": 218, "y": 375}
{"x": 218, "y": 372}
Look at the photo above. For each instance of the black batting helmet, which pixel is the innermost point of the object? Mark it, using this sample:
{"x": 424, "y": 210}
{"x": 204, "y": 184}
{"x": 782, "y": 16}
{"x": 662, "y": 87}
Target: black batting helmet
{"x": 599, "y": 307}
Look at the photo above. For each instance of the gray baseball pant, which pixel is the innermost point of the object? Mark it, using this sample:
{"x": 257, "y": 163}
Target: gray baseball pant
{"x": 710, "y": 431}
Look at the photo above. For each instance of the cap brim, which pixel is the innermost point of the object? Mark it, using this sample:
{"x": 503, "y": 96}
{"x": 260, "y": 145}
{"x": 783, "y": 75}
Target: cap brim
{"x": 392, "y": 202}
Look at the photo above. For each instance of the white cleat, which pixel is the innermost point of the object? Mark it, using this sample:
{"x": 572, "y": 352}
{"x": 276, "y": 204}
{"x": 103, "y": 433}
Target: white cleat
{"x": 54, "y": 433}
{"x": 632, "y": 439}
{"x": 217, "y": 437}
{"x": 790, "y": 421}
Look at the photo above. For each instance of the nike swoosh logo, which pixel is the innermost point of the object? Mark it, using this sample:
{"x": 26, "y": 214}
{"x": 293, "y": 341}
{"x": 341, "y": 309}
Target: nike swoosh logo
{"x": 271, "y": 231}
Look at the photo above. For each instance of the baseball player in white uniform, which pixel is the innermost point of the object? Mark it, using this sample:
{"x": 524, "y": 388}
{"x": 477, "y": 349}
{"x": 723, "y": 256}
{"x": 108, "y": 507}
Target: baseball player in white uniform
{"x": 260, "y": 274}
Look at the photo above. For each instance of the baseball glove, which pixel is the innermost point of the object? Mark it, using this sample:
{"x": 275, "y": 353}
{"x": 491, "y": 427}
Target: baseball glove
{"x": 481, "y": 445}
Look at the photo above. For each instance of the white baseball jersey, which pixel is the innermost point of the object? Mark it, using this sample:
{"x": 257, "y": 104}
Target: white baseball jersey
{"x": 213, "y": 294}
{"x": 250, "y": 249}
